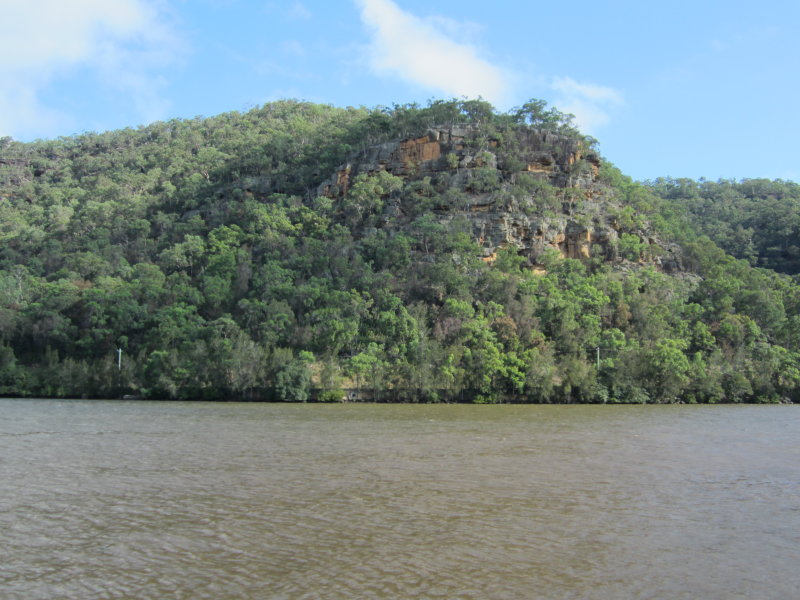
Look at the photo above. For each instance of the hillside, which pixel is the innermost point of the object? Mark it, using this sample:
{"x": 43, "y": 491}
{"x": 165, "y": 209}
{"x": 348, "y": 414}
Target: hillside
{"x": 437, "y": 253}
{"x": 757, "y": 220}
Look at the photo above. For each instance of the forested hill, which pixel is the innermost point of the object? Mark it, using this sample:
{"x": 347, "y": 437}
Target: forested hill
{"x": 757, "y": 219}
{"x": 445, "y": 252}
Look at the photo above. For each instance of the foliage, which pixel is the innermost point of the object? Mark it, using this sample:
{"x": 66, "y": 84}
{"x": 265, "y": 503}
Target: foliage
{"x": 203, "y": 251}
{"x": 755, "y": 219}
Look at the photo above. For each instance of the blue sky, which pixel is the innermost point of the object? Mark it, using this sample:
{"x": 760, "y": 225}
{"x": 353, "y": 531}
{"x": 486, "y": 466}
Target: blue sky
{"x": 681, "y": 88}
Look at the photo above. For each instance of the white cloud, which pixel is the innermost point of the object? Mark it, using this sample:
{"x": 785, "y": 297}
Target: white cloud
{"x": 595, "y": 93}
{"x": 121, "y": 41}
{"x": 420, "y": 52}
{"x": 298, "y": 11}
{"x": 294, "y": 48}
{"x": 589, "y": 103}
{"x": 20, "y": 110}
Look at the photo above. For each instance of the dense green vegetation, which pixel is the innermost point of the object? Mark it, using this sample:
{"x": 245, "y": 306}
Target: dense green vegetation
{"x": 201, "y": 249}
{"x": 756, "y": 219}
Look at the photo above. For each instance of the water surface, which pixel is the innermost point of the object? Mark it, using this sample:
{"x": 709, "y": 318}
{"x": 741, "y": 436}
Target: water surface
{"x": 205, "y": 500}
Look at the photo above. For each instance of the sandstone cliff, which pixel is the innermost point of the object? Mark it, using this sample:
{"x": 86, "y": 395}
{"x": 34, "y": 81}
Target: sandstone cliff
{"x": 531, "y": 190}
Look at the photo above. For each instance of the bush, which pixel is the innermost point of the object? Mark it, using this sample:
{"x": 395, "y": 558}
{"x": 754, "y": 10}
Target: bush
{"x": 337, "y": 395}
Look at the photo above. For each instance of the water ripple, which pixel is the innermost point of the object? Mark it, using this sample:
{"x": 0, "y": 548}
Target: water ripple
{"x": 148, "y": 500}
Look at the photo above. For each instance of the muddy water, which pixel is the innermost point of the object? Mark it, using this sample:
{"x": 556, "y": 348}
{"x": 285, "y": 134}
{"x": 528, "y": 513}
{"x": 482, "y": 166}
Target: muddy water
{"x": 200, "y": 500}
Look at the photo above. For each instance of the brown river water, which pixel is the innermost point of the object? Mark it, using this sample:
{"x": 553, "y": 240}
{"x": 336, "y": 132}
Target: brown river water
{"x": 107, "y": 499}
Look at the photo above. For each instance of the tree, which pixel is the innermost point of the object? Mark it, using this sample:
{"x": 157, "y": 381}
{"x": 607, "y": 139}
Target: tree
{"x": 292, "y": 381}
{"x": 365, "y": 196}
{"x": 669, "y": 369}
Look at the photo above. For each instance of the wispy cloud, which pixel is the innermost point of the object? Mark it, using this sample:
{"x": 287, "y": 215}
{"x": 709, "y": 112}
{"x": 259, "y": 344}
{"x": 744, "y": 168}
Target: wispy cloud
{"x": 591, "y": 104}
{"x": 294, "y": 48}
{"x": 40, "y": 40}
{"x": 298, "y": 11}
{"x": 423, "y": 52}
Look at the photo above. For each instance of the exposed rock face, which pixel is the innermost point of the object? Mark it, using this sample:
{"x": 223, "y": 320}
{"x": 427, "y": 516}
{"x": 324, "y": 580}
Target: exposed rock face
{"x": 420, "y": 150}
{"x": 532, "y": 236}
{"x": 446, "y": 149}
{"x": 580, "y": 225}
